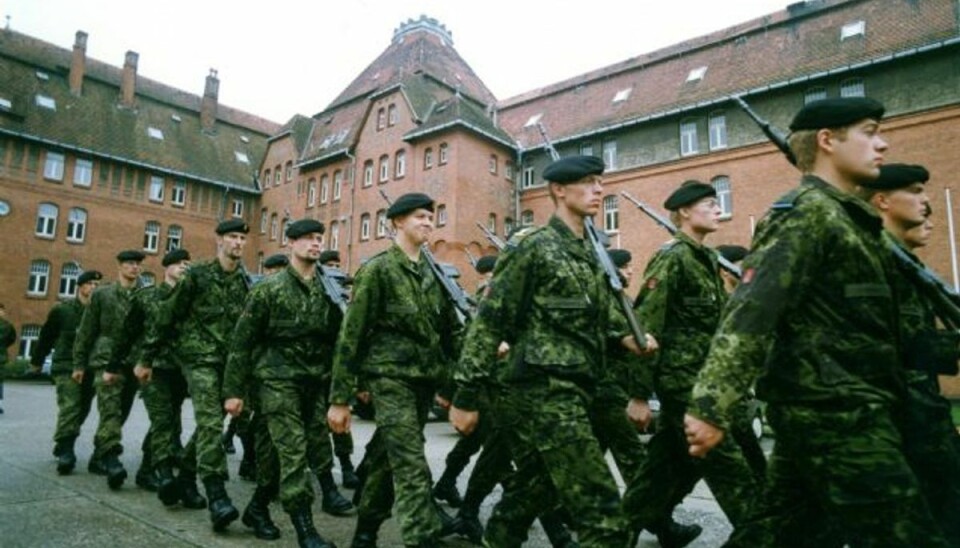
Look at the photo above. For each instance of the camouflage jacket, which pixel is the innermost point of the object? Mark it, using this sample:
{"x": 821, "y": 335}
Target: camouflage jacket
{"x": 198, "y": 317}
{"x": 100, "y": 325}
{"x": 679, "y": 304}
{"x": 58, "y": 334}
{"x": 399, "y": 324}
{"x": 144, "y": 311}
{"x": 549, "y": 300}
{"x": 8, "y": 336}
{"x": 814, "y": 314}
{"x": 287, "y": 330}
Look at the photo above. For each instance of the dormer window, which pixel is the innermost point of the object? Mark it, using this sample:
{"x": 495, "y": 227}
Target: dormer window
{"x": 851, "y": 30}
{"x": 622, "y": 95}
{"x": 534, "y": 120}
{"x": 155, "y": 133}
{"x": 46, "y": 102}
{"x": 696, "y": 74}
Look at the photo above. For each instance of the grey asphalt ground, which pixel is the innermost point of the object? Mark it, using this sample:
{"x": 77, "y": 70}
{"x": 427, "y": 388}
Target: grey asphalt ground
{"x": 39, "y": 508}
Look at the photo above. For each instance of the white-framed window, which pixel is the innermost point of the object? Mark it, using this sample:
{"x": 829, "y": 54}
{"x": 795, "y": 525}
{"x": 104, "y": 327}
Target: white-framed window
{"x": 337, "y": 184}
{"x": 276, "y": 175}
{"x": 29, "y": 335}
{"x": 324, "y": 188}
{"x": 83, "y": 172}
{"x": 688, "y": 137}
{"x": 368, "y": 173}
{"x": 526, "y": 218}
{"x": 586, "y": 149}
{"x": 237, "y": 209}
{"x": 381, "y": 223}
{"x": 492, "y": 164}
{"x": 400, "y": 169}
{"x": 718, "y": 130}
{"x": 508, "y": 170}
{"x": 53, "y": 166}
{"x": 391, "y": 115}
{"x": 611, "y": 213}
{"x": 852, "y": 87}
{"x": 696, "y": 74}
{"x": 622, "y": 95}
{"x": 492, "y": 222}
{"x": 147, "y": 279}
{"x": 263, "y": 220}
{"x": 284, "y": 240}
{"x": 266, "y": 178}
{"x": 444, "y": 153}
{"x": 274, "y": 226}
{"x": 156, "y": 188}
{"x": 178, "y": 196}
{"x": 69, "y": 273}
{"x": 529, "y": 177}
{"x": 174, "y": 237}
{"x": 334, "y": 235}
{"x": 721, "y": 184}
{"x": 311, "y": 193}
{"x": 428, "y": 158}
{"x": 39, "y": 278}
{"x": 856, "y": 28}
{"x": 155, "y": 133}
{"x": 384, "y": 168}
{"x": 507, "y": 226}
{"x": 381, "y": 119}
{"x": 814, "y": 94}
{"x": 289, "y": 171}
{"x": 151, "y": 237}
{"x": 441, "y": 215}
{"x": 610, "y": 154}
{"x": 364, "y": 227}
{"x": 76, "y": 225}
{"x": 46, "y": 101}
{"x": 47, "y": 220}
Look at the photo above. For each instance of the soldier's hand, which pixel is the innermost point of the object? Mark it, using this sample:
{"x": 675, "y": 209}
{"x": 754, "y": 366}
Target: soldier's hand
{"x": 110, "y": 378}
{"x": 442, "y": 402}
{"x": 77, "y": 376}
{"x": 464, "y": 422}
{"x": 502, "y": 349}
{"x": 630, "y": 344}
{"x": 701, "y": 435}
{"x": 143, "y": 374}
{"x": 364, "y": 396}
{"x": 338, "y": 417}
{"x": 639, "y": 413}
{"x": 233, "y": 406}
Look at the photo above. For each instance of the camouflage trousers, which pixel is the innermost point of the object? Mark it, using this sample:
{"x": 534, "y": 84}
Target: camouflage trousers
{"x": 557, "y": 459}
{"x": 163, "y": 397}
{"x": 114, "y": 402}
{"x": 206, "y": 382}
{"x": 342, "y": 444}
{"x": 669, "y": 474}
{"x": 614, "y": 431}
{"x": 838, "y": 477}
{"x": 73, "y": 405}
{"x": 397, "y": 470}
{"x": 294, "y": 411}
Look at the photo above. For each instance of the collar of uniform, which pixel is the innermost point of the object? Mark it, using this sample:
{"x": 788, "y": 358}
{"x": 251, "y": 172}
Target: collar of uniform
{"x": 893, "y": 240}
{"x": 292, "y": 272}
{"x": 578, "y": 244}
{"x": 855, "y": 206}
{"x": 398, "y": 256}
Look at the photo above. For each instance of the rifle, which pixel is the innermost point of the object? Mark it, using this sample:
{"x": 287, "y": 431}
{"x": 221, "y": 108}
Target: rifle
{"x": 458, "y": 297}
{"x": 613, "y": 275}
{"x": 494, "y": 239}
{"x": 332, "y": 281}
{"x": 470, "y": 257}
{"x": 733, "y": 269}
{"x": 247, "y": 279}
{"x": 945, "y": 301}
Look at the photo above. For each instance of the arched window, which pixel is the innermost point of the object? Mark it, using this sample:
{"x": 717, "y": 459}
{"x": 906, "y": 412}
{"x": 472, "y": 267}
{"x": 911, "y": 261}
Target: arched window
{"x": 334, "y": 235}
{"x": 69, "y": 273}
{"x": 441, "y": 215}
{"x": 526, "y": 218}
{"x": 39, "y": 278}
{"x": 368, "y": 173}
{"x": 400, "y": 169}
{"x": 611, "y": 213}
{"x": 274, "y": 226}
{"x": 324, "y": 188}
{"x": 47, "y": 220}
{"x": 337, "y": 184}
{"x": 364, "y": 227}
{"x": 311, "y": 193}
{"x": 174, "y": 237}
{"x": 76, "y": 225}
{"x": 151, "y": 237}
{"x": 724, "y": 196}
{"x": 391, "y": 115}
{"x": 384, "y": 168}
{"x": 381, "y": 223}
{"x": 444, "y": 153}
{"x": 428, "y": 158}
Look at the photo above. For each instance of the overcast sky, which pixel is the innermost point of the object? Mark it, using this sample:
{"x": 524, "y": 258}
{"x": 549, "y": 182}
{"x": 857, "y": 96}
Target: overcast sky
{"x": 289, "y": 57}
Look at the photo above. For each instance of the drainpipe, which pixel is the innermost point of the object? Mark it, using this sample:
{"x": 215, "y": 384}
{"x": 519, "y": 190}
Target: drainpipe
{"x": 353, "y": 205}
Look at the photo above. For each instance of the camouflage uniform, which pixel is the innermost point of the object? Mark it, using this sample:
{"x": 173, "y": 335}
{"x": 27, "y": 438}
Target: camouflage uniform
{"x": 814, "y": 318}
{"x": 73, "y": 399}
{"x": 399, "y": 333}
{"x": 679, "y": 304}
{"x": 549, "y": 301}
{"x": 284, "y": 339}
{"x": 101, "y": 323}
{"x": 608, "y": 417}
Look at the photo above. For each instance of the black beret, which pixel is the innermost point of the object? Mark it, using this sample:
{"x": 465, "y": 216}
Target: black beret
{"x": 175, "y": 256}
{"x": 894, "y": 176}
{"x": 232, "y": 225}
{"x": 130, "y": 255}
{"x": 486, "y": 263}
{"x": 276, "y": 261}
{"x": 329, "y": 255}
{"x": 688, "y": 193}
{"x": 573, "y": 168}
{"x": 836, "y": 112}
{"x": 89, "y": 276}
{"x": 411, "y": 201}
{"x": 620, "y": 257}
{"x": 732, "y": 253}
{"x": 303, "y": 227}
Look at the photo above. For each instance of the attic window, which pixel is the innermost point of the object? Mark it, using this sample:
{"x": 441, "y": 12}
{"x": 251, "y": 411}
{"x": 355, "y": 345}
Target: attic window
{"x": 176, "y": 118}
{"x": 46, "y": 102}
{"x": 850, "y": 30}
{"x": 5, "y": 103}
{"x": 241, "y": 157}
{"x": 244, "y": 139}
{"x": 155, "y": 133}
{"x": 533, "y": 120}
{"x": 622, "y": 95}
{"x": 696, "y": 74}
{"x": 42, "y": 75}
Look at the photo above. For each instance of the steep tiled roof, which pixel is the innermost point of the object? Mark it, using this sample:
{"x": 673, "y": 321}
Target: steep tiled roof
{"x": 299, "y": 128}
{"x": 334, "y": 131}
{"x": 791, "y": 44}
{"x": 93, "y": 122}
{"x": 458, "y": 111}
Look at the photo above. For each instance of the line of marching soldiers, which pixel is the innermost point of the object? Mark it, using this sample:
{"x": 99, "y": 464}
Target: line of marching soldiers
{"x": 548, "y": 376}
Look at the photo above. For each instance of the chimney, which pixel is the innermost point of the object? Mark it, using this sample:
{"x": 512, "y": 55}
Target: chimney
{"x": 78, "y": 65}
{"x": 208, "y": 107}
{"x": 128, "y": 82}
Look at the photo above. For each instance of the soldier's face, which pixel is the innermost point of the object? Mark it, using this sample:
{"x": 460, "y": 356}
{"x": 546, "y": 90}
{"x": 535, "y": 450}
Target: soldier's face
{"x": 583, "y": 197}
{"x": 176, "y": 270}
{"x": 415, "y": 226}
{"x": 86, "y": 289}
{"x": 908, "y": 206}
{"x": 919, "y": 235}
{"x": 857, "y": 151}
{"x": 232, "y": 244}
{"x": 129, "y": 270}
{"x": 703, "y": 216}
{"x": 307, "y": 247}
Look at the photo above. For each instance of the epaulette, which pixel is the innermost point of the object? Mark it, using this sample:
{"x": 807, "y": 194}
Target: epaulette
{"x": 788, "y": 200}
{"x": 669, "y": 244}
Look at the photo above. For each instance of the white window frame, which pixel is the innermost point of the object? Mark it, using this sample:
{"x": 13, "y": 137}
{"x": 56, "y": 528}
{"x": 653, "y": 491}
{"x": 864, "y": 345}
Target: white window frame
{"x": 324, "y": 188}
{"x": 492, "y": 223}
{"x": 586, "y": 149}
{"x": 368, "y": 173}
{"x": 29, "y": 335}
{"x": 178, "y": 195}
{"x": 381, "y": 224}
{"x": 717, "y": 126}
{"x": 69, "y": 273}
{"x": 155, "y": 133}
{"x": 493, "y": 164}
{"x": 611, "y": 214}
{"x": 174, "y": 237}
{"x": 151, "y": 237}
{"x": 428, "y": 158}
{"x": 441, "y": 215}
{"x": 76, "y": 225}
{"x": 156, "y": 189}
{"x": 392, "y": 115}
{"x": 274, "y": 226}
{"x": 47, "y": 215}
{"x": 334, "y": 236}
{"x": 689, "y": 142}
{"x": 83, "y": 172}
{"x": 444, "y": 153}
{"x": 400, "y": 164}
{"x": 507, "y": 226}
{"x": 697, "y": 74}
{"x": 526, "y": 218}
{"x": 610, "y": 154}
{"x": 364, "y": 227}
{"x": 237, "y": 208}
{"x": 39, "y": 280}
{"x": 853, "y": 87}
{"x": 311, "y": 192}
{"x": 264, "y": 220}
{"x": 724, "y": 190}
{"x": 284, "y": 240}
{"x": 46, "y": 102}
{"x": 529, "y": 178}
{"x": 53, "y": 166}
{"x": 384, "y": 168}
{"x": 337, "y": 184}
{"x": 814, "y": 94}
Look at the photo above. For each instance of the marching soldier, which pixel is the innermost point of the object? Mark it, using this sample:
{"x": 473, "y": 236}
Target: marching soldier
{"x": 73, "y": 398}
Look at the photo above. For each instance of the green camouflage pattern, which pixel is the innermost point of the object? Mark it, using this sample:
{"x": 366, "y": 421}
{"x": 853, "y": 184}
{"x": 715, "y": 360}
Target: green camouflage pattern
{"x": 146, "y": 309}
{"x": 163, "y": 398}
{"x": 205, "y": 383}
{"x": 100, "y": 325}
{"x": 73, "y": 405}
{"x": 114, "y": 402}
{"x": 59, "y": 332}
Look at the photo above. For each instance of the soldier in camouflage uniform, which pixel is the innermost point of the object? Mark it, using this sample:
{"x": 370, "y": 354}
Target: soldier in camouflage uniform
{"x": 8, "y": 336}
{"x": 164, "y": 389}
{"x": 198, "y": 319}
{"x": 680, "y": 303}
{"x": 73, "y": 399}
{"x": 285, "y": 339}
{"x": 550, "y": 302}
{"x": 815, "y": 319}
{"x": 398, "y": 336}
{"x": 92, "y": 352}
{"x": 930, "y": 440}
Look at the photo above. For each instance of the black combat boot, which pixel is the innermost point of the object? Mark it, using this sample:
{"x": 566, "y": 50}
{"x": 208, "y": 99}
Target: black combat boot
{"x": 168, "y": 488}
{"x": 222, "y": 510}
{"x": 190, "y": 497}
{"x": 350, "y": 480}
{"x": 95, "y": 466}
{"x": 671, "y": 534}
{"x": 307, "y": 535}
{"x": 467, "y": 524}
{"x": 448, "y": 524}
{"x": 333, "y": 502}
{"x": 556, "y": 531}
{"x": 146, "y": 478}
{"x": 116, "y": 473}
{"x": 446, "y": 489}
{"x": 257, "y": 516}
{"x": 66, "y": 458}
{"x": 248, "y": 464}
{"x": 365, "y": 536}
